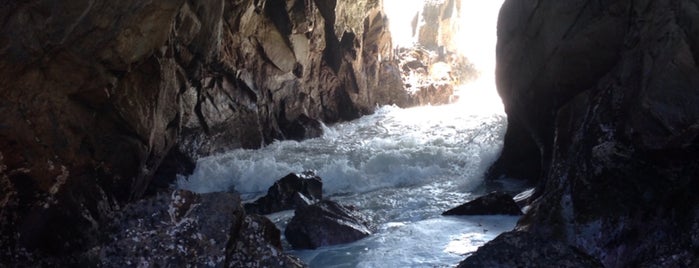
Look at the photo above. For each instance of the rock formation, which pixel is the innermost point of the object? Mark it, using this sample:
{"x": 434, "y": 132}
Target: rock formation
{"x": 495, "y": 203}
{"x": 290, "y": 192}
{"x": 527, "y": 250}
{"x": 209, "y": 230}
{"x": 325, "y": 223}
{"x": 96, "y": 95}
{"x": 601, "y": 98}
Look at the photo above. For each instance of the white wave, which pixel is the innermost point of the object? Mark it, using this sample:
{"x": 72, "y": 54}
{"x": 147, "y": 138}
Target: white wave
{"x": 392, "y": 148}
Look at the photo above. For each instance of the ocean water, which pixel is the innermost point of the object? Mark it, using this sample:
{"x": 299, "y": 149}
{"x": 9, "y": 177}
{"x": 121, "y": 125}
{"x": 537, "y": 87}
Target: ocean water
{"x": 400, "y": 167}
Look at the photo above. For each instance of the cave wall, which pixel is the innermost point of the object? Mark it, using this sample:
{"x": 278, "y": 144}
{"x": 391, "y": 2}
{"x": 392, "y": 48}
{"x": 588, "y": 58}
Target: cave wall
{"x": 604, "y": 96}
{"x": 95, "y": 94}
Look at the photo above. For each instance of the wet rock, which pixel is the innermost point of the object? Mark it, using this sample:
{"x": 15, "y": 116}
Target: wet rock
{"x": 604, "y": 97}
{"x": 522, "y": 249}
{"x": 324, "y": 224}
{"x": 96, "y": 94}
{"x": 495, "y": 203}
{"x": 302, "y": 128}
{"x": 261, "y": 246}
{"x": 290, "y": 192}
{"x": 199, "y": 230}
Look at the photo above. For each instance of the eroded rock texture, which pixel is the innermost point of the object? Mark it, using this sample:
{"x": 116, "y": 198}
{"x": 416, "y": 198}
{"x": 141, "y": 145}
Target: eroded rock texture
{"x": 184, "y": 228}
{"x": 293, "y": 191}
{"x": 602, "y": 101}
{"x": 95, "y": 94}
{"x": 325, "y": 223}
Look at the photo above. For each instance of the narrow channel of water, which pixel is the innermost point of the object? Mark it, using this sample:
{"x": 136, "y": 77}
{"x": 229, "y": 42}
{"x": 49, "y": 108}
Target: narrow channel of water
{"x": 400, "y": 167}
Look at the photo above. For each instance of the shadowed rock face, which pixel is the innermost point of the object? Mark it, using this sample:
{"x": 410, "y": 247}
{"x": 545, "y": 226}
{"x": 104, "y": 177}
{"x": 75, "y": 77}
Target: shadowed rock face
{"x": 325, "y": 223}
{"x": 522, "y": 249}
{"x": 604, "y": 95}
{"x": 95, "y": 94}
{"x": 183, "y": 227}
{"x": 495, "y": 203}
{"x": 290, "y": 192}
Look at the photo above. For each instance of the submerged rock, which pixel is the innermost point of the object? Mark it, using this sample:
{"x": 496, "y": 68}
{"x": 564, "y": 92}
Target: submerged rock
{"x": 187, "y": 228}
{"x": 292, "y": 191}
{"x": 525, "y": 250}
{"x": 324, "y": 224}
{"x": 494, "y": 203}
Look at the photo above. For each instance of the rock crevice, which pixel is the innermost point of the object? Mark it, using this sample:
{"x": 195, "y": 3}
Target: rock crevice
{"x": 96, "y": 94}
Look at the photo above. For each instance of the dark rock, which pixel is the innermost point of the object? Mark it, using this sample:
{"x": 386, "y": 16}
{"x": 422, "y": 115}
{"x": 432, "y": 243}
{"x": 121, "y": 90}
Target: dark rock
{"x": 523, "y": 250}
{"x": 260, "y": 247}
{"x": 324, "y": 224}
{"x": 494, "y": 203}
{"x": 520, "y": 157}
{"x": 604, "y": 95}
{"x": 199, "y": 230}
{"x": 302, "y": 128}
{"x": 175, "y": 163}
{"x": 292, "y": 191}
{"x": 95, "y": 94}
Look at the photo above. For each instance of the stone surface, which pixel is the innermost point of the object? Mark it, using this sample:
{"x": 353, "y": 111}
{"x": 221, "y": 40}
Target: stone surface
{"x": 302, "y": 128}
{"x": 96, "y": 94}
{"x": 186, "y": 228}
{"x": 290, "y": 192}
{"x": 438, "y": 24}
{"x": 431, "y": 77}
{"x": 494, "y": 203}
{"x": 604, "y": 96}
{"x": 525, "y": 250}
{"x": 325, "y": 223}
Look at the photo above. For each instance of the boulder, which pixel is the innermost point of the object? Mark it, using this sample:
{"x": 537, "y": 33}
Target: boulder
{"x": 495, "y": 203}
{"x": 259, "y": 245}
{"x": 302, "y": 128}
{"x": 526, "y": 250}
{"x": 187, "y": 228}
{"x": 326, "y": 223}
{"x": 292, "y": 191}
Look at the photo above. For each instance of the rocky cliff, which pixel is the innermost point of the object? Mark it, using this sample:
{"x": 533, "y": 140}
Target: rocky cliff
{"x": 602, "y": 102}
{"x": 98, "y": 96}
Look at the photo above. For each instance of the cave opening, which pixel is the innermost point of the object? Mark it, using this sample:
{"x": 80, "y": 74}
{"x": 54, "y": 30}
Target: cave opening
{"x": 399, "y": 167}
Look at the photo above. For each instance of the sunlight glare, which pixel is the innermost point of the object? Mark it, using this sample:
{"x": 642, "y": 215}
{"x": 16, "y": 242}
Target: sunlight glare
{"x": 476, "y": 39}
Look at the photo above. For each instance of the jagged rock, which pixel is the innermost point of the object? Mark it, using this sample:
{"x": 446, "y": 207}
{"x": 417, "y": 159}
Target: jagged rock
{"x": 523, "y": 249}
{"x": 261, "y": 246}
{"x": 303, "y": 128}
{"x": 291, "y": 191}
{"x": 439, "y": 22}
{"x": 96, "y": 94}
{"x": 495, "y": 203}
{"x": 603, "y": 96}
{"x": 430, "y": 78}
{"x": 324, "y": 224}
{"x": 187, "y": 228}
